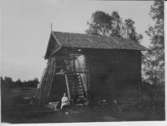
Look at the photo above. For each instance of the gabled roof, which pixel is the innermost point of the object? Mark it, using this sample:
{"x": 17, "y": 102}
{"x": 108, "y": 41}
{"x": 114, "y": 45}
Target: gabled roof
{"x": 77, "y": 40}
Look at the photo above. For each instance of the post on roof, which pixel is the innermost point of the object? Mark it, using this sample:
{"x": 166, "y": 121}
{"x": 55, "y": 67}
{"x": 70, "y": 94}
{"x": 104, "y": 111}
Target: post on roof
{"x": 51, "y": 27}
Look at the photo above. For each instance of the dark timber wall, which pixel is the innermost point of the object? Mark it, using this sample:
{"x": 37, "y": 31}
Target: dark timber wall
{"x": 112, "y": 72}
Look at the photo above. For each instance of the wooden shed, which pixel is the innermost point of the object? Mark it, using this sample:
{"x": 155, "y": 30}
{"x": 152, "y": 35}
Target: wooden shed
{"x": 90, "y": 67}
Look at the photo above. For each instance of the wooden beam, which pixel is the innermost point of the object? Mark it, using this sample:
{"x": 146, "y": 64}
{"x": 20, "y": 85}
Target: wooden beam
{"x": 67, "y": 85}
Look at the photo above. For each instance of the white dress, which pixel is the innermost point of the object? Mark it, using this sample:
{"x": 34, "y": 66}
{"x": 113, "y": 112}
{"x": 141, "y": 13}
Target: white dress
{"x": 64, "y": 101}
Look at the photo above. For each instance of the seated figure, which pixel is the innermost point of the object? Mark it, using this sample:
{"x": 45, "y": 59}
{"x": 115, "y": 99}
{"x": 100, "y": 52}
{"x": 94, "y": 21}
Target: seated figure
{"x": 64, "y": 101}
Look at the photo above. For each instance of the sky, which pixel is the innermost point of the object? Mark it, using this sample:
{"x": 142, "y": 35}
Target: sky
{"x": 26, "y": 24}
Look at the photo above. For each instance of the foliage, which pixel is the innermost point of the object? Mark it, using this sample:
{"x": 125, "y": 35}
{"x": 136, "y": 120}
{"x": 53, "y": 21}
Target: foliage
{"x": 131, "y": 32}
{"x": 7, "y": 82}
{"x": 112, "y": 25}
{"x": 153, "y": 67}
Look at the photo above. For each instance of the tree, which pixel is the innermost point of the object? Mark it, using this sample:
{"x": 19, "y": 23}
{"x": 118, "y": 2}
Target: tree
{"x": 8, "y": 82}
{"x": 130, "y": 30}
{"x": 116, "y": 24}
{"x": 112, "y": 25}
{"x": 100, "y": 24}
{"x": 154, "y": 58}
{"x": 18, "y": 83}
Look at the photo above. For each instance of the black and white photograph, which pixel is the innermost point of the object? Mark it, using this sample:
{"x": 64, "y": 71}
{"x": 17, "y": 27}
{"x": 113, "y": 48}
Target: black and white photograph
{"x": 82, "y": 61}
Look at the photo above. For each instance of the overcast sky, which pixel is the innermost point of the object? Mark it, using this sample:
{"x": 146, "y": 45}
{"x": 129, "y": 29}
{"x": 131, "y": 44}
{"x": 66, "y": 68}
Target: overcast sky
{"x": 25, "y": 28}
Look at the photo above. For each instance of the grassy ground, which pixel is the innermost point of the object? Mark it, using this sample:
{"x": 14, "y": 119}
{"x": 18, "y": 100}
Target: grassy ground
{"x": 16, "y": 109}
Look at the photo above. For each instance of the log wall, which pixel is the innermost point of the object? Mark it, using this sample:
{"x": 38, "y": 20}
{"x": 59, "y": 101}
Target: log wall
{"x": 112, "y": 72}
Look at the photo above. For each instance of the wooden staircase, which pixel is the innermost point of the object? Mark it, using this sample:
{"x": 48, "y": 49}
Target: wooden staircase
{"x": 77, "y": 89}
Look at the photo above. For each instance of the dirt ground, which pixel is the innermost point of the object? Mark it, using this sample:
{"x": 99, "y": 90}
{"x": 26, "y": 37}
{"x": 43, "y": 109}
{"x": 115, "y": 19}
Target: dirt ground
{"x": 16, "y": 109}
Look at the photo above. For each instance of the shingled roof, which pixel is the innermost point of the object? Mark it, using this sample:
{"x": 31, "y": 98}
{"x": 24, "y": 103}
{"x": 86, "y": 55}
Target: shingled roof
{"x": 77, "y": 40}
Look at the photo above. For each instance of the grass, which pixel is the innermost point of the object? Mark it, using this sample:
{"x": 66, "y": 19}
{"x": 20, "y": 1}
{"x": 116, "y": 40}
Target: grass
{"x": 16, "y": 109}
